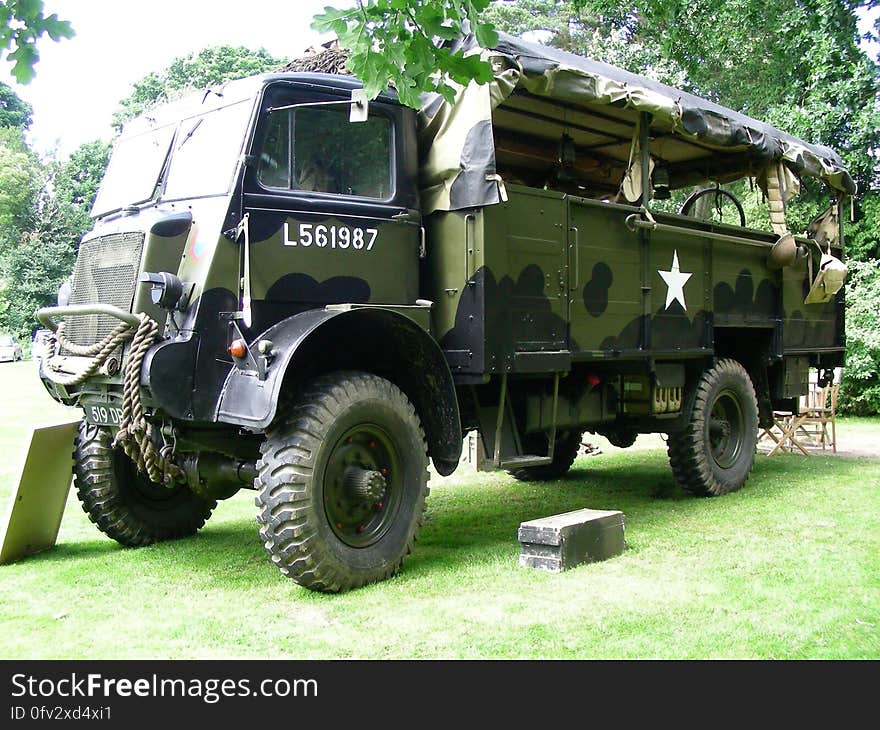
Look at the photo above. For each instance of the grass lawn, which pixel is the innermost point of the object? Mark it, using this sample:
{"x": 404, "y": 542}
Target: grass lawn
{"x": 789, "y": 567}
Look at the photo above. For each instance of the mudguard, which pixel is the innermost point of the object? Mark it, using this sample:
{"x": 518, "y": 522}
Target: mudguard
{"x": 374, "y": 339}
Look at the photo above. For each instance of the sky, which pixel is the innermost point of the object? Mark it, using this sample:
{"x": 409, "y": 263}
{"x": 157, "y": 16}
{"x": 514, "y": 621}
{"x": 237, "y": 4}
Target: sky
{"x": 80, "y": 82}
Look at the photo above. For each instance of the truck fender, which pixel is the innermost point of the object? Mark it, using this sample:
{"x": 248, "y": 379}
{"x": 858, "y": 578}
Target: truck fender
{"x": 372, "y": 339}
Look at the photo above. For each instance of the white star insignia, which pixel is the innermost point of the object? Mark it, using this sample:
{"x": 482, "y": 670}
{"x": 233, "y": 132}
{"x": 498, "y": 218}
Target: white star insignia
{"x": 675, "y": 280}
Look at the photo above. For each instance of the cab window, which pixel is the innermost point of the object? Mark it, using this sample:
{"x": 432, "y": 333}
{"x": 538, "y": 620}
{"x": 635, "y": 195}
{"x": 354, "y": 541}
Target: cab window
{"x": 318, "y": 149}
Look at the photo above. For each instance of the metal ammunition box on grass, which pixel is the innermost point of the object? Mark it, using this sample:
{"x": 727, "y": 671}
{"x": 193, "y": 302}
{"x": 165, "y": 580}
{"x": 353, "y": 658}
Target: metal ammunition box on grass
{"x": 567, "y": 540}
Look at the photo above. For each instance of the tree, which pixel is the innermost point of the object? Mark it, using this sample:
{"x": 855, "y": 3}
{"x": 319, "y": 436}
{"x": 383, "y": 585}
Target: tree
{"x": 393, "y": 42}
{"x": 21, "y": 178}
{"x": 860, "y": 389}
{"x": 34, "y": 267}
{"x": 22, "y": 23}
{"x": 76, "y": 183}
{"x": 38, "y": 254}
{"x": 208, "y": 67}
{"x": 14, "y": 112}
{"x": 574, "y": 28}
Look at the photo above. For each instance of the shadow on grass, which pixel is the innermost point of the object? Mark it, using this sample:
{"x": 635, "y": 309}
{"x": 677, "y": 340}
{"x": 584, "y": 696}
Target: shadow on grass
{"x": 490, "y": 519}
{"x": 479, "y": 516}
{"x": 85, "y": 549}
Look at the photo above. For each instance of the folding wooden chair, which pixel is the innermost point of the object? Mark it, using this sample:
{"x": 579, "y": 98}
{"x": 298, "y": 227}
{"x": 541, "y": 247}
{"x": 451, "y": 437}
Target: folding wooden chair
{"x": 817, "y": 411}
{"x": 788, "y": 424}
{"x": 814, "y": 420}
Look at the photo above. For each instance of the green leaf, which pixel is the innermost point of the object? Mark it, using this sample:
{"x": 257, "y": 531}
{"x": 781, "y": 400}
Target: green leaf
{"x": 58, "y": 29}
{"x": 25, "y": 56}
{"x": 329, "y": 19}
{"x": 486, "y": 35}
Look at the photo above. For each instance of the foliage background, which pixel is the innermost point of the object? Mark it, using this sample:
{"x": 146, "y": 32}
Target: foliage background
{"x": 797, "y": 64}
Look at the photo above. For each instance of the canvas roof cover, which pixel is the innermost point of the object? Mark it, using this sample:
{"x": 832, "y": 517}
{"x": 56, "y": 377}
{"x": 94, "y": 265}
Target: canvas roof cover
{"x": 540, "y": 93}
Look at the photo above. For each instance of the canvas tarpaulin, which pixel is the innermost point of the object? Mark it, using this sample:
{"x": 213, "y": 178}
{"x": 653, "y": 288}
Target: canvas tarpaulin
{"x": 458, "y": 143}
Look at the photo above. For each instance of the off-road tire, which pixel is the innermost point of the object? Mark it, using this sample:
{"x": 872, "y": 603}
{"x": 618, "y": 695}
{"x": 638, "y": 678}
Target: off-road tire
{"x": 299, "y": 500}
{"x": 124, "y": 504}
{"x": 568, "y": 443}
{"x": 705, "y": 461}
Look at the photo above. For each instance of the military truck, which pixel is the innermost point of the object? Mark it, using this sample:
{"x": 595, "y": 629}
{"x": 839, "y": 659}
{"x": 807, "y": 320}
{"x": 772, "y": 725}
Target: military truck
{"x": 291, "y": 289}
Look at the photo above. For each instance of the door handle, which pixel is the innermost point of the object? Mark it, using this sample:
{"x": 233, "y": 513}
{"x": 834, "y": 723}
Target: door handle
{"x": 574, "y": 275}
{"x": 407, "y": 216}
{"x": 470, "y": 221}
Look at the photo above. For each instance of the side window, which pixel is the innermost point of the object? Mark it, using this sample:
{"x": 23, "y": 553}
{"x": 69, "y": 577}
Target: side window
{"x": 329, "y": 153}
{"x": 274, "y": 167}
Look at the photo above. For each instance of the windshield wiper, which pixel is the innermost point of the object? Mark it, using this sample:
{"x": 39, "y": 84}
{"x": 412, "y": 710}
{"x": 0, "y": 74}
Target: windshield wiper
{"x": 215, "y": 90}
{"x": 191, "y": 132}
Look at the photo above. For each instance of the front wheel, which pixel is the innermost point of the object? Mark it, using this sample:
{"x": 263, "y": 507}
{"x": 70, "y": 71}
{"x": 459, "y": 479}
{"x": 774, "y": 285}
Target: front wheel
{"x": 342, "y": 483}
{"x": 714, "y": 453}
{"x": 123, "y": 503}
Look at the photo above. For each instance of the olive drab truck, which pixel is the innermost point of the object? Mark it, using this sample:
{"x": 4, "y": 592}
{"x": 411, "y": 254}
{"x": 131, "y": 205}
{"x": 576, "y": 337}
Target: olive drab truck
{"x": 291, "y": 289}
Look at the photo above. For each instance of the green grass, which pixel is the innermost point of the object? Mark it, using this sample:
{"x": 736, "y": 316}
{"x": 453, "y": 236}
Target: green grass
{"x": 787, "y": 567}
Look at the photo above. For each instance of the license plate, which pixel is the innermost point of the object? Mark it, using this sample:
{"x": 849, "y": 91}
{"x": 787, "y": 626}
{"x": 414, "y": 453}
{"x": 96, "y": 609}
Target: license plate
{"x": 103, "y": 414}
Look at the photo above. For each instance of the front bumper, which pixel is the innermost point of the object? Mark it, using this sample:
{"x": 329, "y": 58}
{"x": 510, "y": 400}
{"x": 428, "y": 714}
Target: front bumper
{"x": 47, "y": 315}
{"x": 52, "y": 365}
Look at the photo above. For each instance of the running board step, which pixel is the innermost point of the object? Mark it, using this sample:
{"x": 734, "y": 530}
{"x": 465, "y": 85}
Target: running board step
{"x": 520, "y": 461}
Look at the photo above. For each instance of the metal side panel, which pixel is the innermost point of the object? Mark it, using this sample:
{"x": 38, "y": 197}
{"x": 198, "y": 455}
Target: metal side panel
{"x": 37, "y": 504}
{"x": 526, "y": 274}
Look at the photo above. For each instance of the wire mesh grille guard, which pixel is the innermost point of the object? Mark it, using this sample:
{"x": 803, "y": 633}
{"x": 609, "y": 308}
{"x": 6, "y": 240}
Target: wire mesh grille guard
{"x": 106, "y": 271}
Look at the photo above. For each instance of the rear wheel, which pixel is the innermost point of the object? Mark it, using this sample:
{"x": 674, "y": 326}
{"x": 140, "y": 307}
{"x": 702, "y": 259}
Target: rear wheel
{"x": 714, "y": 454}
{"x": 342, "y": 483}
{"x": 567, "y": 445}
{"x": 123, "y": 503}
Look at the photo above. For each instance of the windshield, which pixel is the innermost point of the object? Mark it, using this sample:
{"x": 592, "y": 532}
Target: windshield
{"x": 6, "y": 342}
{"x": 134, "y": 170}
{"x": 203, "y": 159}
{"x": 205, "y": 152}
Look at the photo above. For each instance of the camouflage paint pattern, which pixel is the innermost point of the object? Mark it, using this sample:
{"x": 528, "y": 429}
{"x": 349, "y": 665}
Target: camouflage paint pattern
{"x": 547, "y": 272}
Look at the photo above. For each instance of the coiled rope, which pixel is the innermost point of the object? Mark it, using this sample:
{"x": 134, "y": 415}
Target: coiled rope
{"x": 135, "y": 435}
{"x": 99, "y": 353}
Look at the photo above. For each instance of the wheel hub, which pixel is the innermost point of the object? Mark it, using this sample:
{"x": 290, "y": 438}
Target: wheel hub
{"x": 362, "y": 485}
{"x": 365, "y": 484}
{"x": 726, "y": 430}
{"x": 719, "y": 428}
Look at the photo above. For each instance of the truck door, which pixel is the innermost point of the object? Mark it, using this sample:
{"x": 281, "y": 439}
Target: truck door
{"x": 329, "y": 204}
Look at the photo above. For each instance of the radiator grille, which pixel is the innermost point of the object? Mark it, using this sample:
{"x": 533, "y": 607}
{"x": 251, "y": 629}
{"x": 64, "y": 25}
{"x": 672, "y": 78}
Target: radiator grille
{"x": 106, "y": 271}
